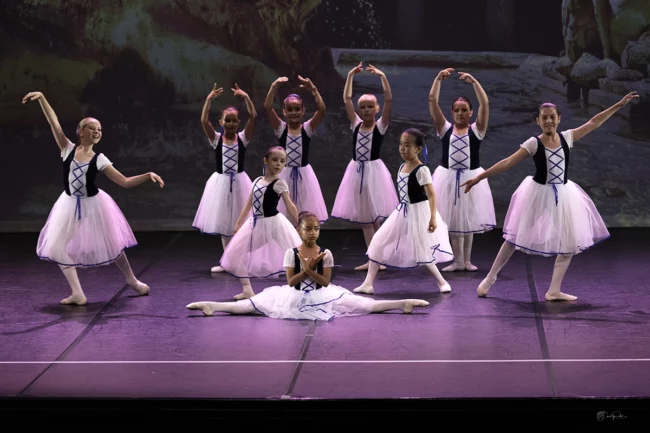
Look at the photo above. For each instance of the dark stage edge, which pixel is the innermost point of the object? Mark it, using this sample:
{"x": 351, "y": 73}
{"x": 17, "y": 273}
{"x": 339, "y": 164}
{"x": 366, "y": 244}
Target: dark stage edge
{"x": 461, "y": 353}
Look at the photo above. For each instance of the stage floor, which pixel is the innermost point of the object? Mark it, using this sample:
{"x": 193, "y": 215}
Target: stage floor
{"x": 512, "y": 344}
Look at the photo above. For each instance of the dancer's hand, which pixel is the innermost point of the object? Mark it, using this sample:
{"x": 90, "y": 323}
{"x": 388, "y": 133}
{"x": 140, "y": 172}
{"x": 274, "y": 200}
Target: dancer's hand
{"x": 356, "y": 69}
{"x": 467, "y": 77}
{"x": 304, "y": 261}
{"x": 627, "y": 98}
{"x": 375, "y": 71}
{"x": 32, "y": 96}
{"x": 314, "y": 262}
{"x": 444, "y": 74}
{"x": 469, "y": 184}
{"x": 432, "y": 224}
{"x": 215, "y": 92}
{"x": 306, "y": 83}
{"x": 239, "y": 92}
{"x": 238, "y": 226}
{"x": 280, "y": 81}
{"x": 156, "y": 179}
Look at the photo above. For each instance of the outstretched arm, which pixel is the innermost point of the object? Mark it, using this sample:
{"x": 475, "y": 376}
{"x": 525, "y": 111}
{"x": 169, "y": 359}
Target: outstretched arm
{"x": 268, "y": 103}
{"x": 252, "y": 114}
{"x": 347, "y": 92}
{"x": 129, "y": 182}
{"x": 500, "y": 167}
{"x": 205, "y": 113}
{"x": 318, "y": 116}
{"x": 53, "y": 120}
{"x": 601, "y": 117}
{"x": 483, "y": 102}
{"x": 388, "y": 95}
{"x": 434, "y": 98}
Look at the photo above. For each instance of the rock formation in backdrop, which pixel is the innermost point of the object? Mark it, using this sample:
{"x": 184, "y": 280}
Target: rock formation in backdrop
{"x": 607, "y": 46}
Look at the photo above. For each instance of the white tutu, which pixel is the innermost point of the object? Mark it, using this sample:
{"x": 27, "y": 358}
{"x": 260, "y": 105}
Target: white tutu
{"x": 534, "y": 223}
{"x": 285, "y": 302}
{"x": 404, "y": 240}
{"x": 309, "y": 194}
{"x": 365, "y": 203}
{"x": 257, "y": 249}
{"x": 97, "y": 238}
{"x": 219, "y": 208}
{"x": 464, "y": 213}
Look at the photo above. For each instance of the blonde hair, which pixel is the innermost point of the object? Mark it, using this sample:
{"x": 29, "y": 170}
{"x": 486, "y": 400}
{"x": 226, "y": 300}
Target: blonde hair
{"x": 367, "y": 96}
{"x": 83, "y": 122}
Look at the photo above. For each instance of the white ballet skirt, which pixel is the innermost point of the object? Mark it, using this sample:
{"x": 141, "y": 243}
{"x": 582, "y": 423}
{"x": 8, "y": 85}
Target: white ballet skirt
{"x": 224, "y": 197}
{"x": 304, "y": 188}
{"x": 464, "y": 213}
{"x": 307, "y": 191}
{"x": 325, "y": 303}
{"x": 220, "y": 207}
{"x": 536, "y": 223}
{"x": 404, "y": 241}
{"x": 367, "y": 192}
{"x": 84, "y": 231}
{"x": 257, "y": 249}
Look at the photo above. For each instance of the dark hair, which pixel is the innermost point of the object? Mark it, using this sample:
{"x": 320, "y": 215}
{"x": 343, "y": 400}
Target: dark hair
{"x": 420, "y": 140}
{"x": 547, "y": 105}
{"x": 462, "y": 98}
{"x": 230, "y": 108}
{"x": 420, "y": 137}
{"x": 304, "y": 215}
{"x": 293, "y": 96}
{"x": 273, "y": 149}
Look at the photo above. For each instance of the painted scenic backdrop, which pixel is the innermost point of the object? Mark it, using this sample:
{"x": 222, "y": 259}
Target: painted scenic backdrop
{"x": 144, "y": 68}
